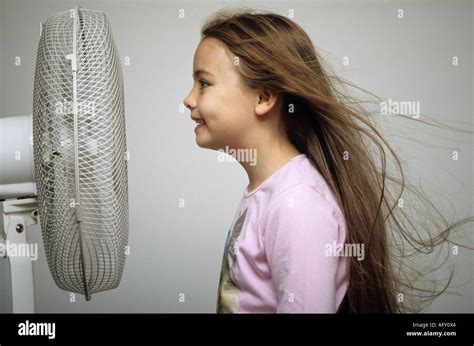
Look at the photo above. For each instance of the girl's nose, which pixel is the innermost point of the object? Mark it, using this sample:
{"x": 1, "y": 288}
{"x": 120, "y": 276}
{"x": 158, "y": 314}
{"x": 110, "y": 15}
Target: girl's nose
{"x": 188, "y": 102}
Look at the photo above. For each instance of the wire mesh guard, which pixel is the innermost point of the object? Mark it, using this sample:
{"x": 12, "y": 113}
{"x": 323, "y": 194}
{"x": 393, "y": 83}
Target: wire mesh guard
{"x": 80, "y": 152}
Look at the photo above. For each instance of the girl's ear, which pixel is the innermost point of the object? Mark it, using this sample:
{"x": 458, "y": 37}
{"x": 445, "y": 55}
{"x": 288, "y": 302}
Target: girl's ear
{"x": 266, "y": 101}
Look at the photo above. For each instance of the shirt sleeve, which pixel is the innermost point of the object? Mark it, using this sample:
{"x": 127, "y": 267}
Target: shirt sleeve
{"x": 299, "y": 226}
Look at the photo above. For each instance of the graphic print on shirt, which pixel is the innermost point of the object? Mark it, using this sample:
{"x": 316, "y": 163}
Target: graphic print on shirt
{"x": 228, "y": 293}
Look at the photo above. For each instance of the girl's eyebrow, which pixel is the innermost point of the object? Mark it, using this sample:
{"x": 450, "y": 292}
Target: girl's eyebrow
{"x": 201, "y": 71}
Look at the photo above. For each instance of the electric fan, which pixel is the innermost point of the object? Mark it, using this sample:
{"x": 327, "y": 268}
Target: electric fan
{"x": 80, "y": 155}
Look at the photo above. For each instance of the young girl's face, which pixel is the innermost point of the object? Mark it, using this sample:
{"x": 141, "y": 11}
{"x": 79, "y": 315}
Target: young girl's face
{"x": 220, "y": 99}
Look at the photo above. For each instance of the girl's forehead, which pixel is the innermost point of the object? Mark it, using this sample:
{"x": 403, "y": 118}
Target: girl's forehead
{"x": 212, "y": 57}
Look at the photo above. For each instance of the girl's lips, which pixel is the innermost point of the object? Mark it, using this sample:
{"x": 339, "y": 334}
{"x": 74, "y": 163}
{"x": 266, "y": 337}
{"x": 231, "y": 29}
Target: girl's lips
{"x": 199, "y": 126}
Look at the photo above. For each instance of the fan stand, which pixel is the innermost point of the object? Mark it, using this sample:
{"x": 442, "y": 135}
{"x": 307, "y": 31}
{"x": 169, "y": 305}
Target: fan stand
{"x": 18, "y": 214}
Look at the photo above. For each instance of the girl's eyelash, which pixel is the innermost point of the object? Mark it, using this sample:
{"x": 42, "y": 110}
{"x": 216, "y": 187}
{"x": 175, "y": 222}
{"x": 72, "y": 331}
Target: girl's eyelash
{"x": 202, "y": 81}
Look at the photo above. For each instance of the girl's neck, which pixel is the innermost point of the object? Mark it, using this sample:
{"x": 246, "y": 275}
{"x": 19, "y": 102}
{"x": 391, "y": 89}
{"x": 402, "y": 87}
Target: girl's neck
{"x": 269, "y": 159}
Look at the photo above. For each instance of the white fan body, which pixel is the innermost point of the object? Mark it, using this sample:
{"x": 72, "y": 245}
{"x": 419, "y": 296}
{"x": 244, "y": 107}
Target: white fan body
{"x": 79, "y": 157}
{"x": 18, "y": 190}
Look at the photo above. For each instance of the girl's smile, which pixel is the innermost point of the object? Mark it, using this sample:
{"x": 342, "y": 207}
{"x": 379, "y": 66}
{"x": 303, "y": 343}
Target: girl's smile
{"x": 199, "y": 126}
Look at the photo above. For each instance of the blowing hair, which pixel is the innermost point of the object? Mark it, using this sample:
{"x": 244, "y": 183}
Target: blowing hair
{"x": 342, "y": 140}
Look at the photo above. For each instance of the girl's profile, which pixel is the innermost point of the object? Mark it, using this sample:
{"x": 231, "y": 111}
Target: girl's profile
{"x": 318, "y": 228}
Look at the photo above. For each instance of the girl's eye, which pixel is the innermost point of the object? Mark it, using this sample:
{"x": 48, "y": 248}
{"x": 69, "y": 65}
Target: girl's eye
{"x": 201, "y": 81}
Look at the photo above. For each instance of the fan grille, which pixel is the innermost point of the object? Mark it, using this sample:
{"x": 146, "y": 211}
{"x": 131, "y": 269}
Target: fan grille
{"x": 83, "y": 208}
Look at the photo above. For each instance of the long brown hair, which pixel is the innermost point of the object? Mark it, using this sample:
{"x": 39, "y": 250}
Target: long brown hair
{"x": 342, "y": 141}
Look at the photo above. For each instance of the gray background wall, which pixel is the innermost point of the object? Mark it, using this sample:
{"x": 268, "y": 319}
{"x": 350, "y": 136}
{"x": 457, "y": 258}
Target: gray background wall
{"x": 178, "y": 250}
{"x": 5, "y": 302}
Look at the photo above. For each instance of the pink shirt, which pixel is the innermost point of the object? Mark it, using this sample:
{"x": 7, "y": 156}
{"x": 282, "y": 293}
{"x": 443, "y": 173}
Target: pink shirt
{"x": 275, "y": 256}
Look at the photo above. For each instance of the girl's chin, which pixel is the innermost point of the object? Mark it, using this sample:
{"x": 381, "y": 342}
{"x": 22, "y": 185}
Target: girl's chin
{"x": 206, "y": 144}
{"x": 201, "y": 141}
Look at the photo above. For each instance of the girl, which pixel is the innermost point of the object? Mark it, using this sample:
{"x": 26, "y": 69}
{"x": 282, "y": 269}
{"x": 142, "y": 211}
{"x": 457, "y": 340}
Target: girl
{"x": 311, "y": 233}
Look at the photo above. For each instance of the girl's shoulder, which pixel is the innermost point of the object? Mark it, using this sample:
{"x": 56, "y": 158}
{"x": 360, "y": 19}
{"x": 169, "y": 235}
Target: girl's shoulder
{"x": 303, "y": 199}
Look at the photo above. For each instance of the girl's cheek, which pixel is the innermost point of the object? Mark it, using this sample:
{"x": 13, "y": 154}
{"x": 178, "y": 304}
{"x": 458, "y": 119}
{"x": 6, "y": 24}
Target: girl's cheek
{"x": 209, "y": 109}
